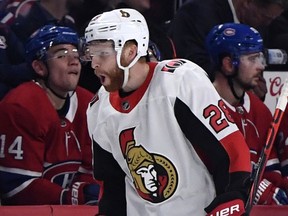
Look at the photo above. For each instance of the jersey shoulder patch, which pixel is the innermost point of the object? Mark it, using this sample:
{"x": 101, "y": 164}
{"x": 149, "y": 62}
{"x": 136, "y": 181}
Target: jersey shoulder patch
{"x": 172, "y": 65}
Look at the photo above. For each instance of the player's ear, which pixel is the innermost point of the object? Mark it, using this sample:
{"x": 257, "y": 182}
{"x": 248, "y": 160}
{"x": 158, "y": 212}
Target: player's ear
{"x": 227, "y": 66}
{"x": 133, "y": 50}
{"x": 39, "y": 68}
{"x": 128, "y": 53}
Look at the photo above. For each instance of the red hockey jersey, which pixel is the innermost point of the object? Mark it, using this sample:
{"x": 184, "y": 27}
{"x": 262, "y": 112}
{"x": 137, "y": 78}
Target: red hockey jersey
{"x": 253, "y": 119}
{"x": 42, "y": 152}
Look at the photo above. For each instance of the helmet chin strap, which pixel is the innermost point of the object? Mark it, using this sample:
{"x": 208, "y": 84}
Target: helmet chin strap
{"x": 230, "y": 81}
{"x": 127, "y": 68}
{"x": 241, "y": 97}
{"x": 55, "y": 93}
{"x": 45, "y": 78}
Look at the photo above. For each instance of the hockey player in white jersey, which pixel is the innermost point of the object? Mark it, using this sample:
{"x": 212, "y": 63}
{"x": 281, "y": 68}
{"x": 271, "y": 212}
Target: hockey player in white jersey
{"x": 164, "y": 143}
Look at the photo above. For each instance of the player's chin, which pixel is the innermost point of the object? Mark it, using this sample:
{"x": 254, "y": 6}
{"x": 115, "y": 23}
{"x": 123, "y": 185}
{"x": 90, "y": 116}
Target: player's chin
{"x": 256, "y": 79}
{"x": 253, "y": 84}
{"x": 112, "y": 87}
{"x": 71, "y": 86}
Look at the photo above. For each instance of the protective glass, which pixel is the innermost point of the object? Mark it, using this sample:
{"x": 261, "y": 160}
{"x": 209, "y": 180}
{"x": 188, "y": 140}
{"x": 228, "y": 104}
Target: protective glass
{"x": 64, "y": 54}
{"x": 255, "y": 58}
{"x": 92, "y": 51}
{"x": 96, "y": 49}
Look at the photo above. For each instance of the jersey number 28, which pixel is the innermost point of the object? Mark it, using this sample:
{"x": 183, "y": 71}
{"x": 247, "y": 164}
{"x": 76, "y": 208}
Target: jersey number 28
{"x": 217, "y": 121}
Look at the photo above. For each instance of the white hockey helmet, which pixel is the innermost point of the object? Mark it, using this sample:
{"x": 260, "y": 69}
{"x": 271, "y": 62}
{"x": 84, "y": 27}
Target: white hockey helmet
{"x": 120, "y": 26}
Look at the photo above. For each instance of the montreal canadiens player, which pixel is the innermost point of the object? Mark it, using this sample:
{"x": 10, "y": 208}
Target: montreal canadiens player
{"x": 46, "y": 152}
{"x": 237, "y": 52}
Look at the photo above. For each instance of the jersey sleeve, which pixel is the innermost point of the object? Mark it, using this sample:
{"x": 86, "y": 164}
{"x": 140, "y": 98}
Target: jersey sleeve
{"x": 207, "y": 124}
{"x": 106, "y": 168}
{"x": 108, "y": 171}
{"x": 22, "y": 158}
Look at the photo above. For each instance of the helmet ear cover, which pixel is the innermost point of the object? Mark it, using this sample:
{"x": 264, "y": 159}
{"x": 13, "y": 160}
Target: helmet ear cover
{"x": 46, "y": 37}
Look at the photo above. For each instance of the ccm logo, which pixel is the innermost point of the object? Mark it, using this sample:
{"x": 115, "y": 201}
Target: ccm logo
{"x": 227, "y": 211}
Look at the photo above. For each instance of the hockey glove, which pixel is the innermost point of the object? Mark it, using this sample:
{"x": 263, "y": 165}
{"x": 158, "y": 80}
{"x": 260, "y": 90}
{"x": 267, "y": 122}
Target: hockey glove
{"x": 267, "y": 194}
{"x": 81, "y": 193}
{"x": 229, "y": 203}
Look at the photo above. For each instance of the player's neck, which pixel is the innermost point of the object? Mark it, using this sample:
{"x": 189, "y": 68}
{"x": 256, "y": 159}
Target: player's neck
{"x": 222, "y": 86}
{"x": 55, "y": 100}
{"x": 137, "y": 76}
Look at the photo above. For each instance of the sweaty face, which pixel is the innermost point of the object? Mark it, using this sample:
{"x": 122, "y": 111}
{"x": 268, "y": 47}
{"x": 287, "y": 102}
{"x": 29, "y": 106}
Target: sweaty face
{"x": 63, "y": 68}
{"x": 103, "y": 57}
{"x": 250, "y": 69}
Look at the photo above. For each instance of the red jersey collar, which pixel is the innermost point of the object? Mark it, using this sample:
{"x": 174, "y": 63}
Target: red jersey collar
{"x": 126, "y": 104}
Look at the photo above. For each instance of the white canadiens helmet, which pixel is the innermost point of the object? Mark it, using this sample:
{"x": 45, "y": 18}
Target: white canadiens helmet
{"x": 120, "y": 26}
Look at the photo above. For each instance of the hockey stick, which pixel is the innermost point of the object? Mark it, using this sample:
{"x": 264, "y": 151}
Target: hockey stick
{"x": 272, "y": 132}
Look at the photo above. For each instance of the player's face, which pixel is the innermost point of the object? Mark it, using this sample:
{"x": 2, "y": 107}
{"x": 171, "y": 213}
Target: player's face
{"x": 64, "y": 68}
{"x": 105, "y": 66}
{"x": 250, "y": 69}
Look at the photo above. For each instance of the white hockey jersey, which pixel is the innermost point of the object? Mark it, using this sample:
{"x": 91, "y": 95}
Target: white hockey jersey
{"x": 173, "y": 139}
